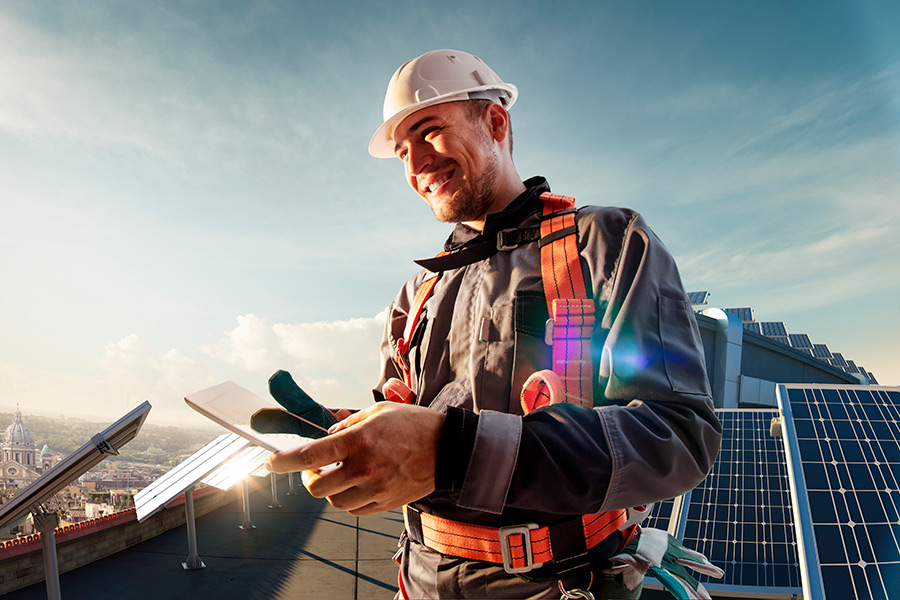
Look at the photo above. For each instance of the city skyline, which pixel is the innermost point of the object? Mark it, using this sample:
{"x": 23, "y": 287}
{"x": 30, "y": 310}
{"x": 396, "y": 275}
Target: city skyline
{"x": 188, "y": 197}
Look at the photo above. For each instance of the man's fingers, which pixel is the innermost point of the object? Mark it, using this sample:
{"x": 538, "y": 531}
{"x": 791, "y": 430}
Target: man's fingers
{"x": 352, "y": 419}
{"x": 313, "y": 455}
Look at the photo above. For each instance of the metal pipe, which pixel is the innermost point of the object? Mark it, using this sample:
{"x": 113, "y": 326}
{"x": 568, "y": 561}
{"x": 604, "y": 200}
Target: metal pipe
{"x": 275, "y": 503}
{"x": 46, "y": 523}
{"x": 193, "y": 560}
{"x": 245, "y": 497}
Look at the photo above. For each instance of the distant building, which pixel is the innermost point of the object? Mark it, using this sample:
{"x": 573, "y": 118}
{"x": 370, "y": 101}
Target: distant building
{"x": 20, "y": 461}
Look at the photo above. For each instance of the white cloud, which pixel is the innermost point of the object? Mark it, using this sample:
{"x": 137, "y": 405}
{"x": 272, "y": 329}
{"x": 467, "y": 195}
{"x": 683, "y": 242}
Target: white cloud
{"x": 135, "y": 369}
{"x": 336, "y": 362}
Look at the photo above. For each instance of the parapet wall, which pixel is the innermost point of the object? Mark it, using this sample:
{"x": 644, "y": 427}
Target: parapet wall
{"x": 22, "y": 560}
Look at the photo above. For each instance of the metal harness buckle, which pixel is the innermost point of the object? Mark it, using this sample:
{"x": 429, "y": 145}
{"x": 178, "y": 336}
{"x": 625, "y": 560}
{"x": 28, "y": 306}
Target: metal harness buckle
{"x": 506, "y": 548}
{"x": 502, "y": 244}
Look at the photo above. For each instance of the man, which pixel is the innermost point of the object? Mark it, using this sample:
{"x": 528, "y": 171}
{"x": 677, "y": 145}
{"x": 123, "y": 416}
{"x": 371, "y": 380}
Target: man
{"x": 461, "y": 346}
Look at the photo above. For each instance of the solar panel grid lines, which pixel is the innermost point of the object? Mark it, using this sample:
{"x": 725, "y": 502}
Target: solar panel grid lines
{"x": 698, "y": 298}
{"x": 662, "y": 516}
{"x": 187, "y": 473}
{"x": 773, "y": 328}
{"x": 838, "y": 360}
{"x": 247, "y": 461}
{"x": 846, "y": 468}
{"x": 800, "y": 341}
{"x": 740, "y": 515}
{"x": 753, "y": 326}
{"x": 821, "y": 351}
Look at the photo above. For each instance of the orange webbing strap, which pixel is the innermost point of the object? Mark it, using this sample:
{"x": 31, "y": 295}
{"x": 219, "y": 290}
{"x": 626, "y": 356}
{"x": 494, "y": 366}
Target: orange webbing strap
{"x": 571, "y": 310}
{"x": 517, "y": 548}
{"x": 415, "y": 311}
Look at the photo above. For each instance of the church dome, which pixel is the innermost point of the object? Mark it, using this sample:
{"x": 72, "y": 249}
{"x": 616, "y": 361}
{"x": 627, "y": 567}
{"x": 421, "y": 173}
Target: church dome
{"x": 18, "y": 433}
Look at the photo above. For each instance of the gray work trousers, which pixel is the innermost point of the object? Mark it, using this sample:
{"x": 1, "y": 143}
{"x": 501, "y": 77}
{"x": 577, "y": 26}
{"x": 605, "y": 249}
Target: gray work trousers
{"x": 428, "y": 574}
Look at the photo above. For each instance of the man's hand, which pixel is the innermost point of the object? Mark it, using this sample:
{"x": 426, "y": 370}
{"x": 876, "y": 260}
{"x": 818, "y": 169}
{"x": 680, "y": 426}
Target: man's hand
{"x": 385, "y": 458}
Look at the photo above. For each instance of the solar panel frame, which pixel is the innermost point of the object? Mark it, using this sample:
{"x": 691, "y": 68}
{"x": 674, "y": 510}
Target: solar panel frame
{"x": 773, "y": 328}
{"x": 749, "y": 476}
{"x": 698, "y": 298}
{"x": 186, "y": 474}
{"x": 753, "y": 326}
{"x": 90, "y": 454}
{"x": 844, "y": 459}
{"x": 838, "y": 360}
{"x": 800, "y": 341}
{"x": 821, "y": 351}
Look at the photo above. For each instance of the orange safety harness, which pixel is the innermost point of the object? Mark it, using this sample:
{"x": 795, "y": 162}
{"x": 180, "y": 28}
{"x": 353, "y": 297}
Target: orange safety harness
{"x": 521, "y": 548}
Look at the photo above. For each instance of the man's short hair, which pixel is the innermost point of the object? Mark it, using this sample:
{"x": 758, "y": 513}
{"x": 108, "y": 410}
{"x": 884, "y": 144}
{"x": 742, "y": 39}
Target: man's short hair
{"x": 476, "y": 108}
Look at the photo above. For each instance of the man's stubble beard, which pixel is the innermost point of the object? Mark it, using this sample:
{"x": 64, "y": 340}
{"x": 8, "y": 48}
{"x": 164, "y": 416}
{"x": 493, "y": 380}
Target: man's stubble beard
{"x": 472, "y": 201}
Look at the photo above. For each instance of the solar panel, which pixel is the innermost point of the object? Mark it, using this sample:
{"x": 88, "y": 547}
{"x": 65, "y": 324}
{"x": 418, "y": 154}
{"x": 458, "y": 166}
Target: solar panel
{"x": 837, "y": 360}
{"x": 753, "y": 326}
{"x": 187, "y": 473}
{"x": 105, "y": 443}
{"x": 740, "y": 515}
{"x": 781, "y": 339}
{"x": 821, "y": 351}
{"x": 248, "y": 461}
{"x": 843, "y": 448}
{"x": 698, "y": 298}
{"x": 800, "y": 340}
{"x": 744, "y": 314}
{"x": 771, "y": 328}
{"x": 851, "y": 367}
{"x": 871, "y": 378}
{"x": 663, "y": 516}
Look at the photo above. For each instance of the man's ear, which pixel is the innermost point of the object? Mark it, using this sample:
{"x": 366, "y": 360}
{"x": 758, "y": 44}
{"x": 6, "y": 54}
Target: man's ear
{"x": 498, "y": 122}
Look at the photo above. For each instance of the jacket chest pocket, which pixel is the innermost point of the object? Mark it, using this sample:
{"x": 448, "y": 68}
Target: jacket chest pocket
{"x": 514, "y": 349}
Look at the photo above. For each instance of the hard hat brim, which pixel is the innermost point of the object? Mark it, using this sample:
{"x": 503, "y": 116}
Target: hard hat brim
{"x": 382, "y": 143}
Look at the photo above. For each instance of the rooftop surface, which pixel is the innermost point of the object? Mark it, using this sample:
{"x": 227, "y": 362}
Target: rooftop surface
{"x": 305, "y": 549}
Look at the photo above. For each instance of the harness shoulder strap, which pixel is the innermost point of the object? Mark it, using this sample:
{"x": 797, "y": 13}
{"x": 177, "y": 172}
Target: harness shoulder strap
{"x": 401, "y": 355}
{"x": 571, "y": 311}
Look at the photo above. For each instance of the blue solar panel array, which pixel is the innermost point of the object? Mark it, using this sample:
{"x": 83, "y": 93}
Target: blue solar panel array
{"x": 698, "y": 298}
{"x": 844, "y": 451}
{"x": 740, "y": 515}
{"x": 809, "y": 509}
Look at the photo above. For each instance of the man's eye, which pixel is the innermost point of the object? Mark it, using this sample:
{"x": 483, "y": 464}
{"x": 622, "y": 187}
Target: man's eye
{"x": 428, "y": 131}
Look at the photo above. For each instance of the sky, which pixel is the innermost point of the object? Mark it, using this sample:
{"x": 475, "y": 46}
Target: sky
{"x": 186, "y": 195}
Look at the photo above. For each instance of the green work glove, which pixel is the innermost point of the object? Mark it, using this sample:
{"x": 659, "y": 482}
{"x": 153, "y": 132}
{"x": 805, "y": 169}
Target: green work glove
{"x": 294, "y": 400}
{"x": 660, "y": 554}
{"x": 296, "y": 403}
{"x": 276, "y": 420}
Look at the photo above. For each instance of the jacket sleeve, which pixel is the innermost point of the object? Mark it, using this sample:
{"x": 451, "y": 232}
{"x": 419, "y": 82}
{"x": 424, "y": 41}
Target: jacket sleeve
{"x": 653, "y": 433}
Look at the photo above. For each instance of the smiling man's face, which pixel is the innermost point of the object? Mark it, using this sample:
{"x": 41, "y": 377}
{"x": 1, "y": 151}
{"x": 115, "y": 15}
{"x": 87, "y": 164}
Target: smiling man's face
{"x": 451, "y": 160}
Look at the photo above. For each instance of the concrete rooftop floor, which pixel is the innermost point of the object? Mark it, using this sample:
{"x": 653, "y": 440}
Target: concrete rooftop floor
{"x": 305, "y": 549}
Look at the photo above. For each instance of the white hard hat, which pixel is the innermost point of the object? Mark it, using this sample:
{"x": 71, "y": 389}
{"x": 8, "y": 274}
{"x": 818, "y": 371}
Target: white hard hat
{"x": 433, "y": 78}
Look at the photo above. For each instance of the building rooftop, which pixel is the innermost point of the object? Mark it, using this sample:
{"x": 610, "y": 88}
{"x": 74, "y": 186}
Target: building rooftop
{"x": 305, "y": 549}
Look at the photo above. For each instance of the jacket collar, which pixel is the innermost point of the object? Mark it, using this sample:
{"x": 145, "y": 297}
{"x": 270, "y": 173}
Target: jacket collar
{"x": 466, "y": 245}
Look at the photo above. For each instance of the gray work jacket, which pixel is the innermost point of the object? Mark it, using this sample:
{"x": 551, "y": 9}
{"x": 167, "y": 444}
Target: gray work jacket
{"x": 652, "y": 434}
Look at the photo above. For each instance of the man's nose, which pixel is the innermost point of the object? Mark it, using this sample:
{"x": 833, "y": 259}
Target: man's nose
{"x": 418, "y": 158}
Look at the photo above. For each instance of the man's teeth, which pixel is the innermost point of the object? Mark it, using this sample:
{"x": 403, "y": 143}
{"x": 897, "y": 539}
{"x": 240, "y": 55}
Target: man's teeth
{"x": 436, "y": 184}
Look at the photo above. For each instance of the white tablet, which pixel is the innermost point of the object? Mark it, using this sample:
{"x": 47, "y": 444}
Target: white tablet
{"x": 231, "y": 406}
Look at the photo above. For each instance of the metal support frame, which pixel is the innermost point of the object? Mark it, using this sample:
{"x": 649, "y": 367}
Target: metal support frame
{"x": 46, "y": 522}
{"x": 245, "y": 498}
{"x": 193, "y": 560}
{"x": 275, "y": 503}
{"x": 291, "y": 491}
